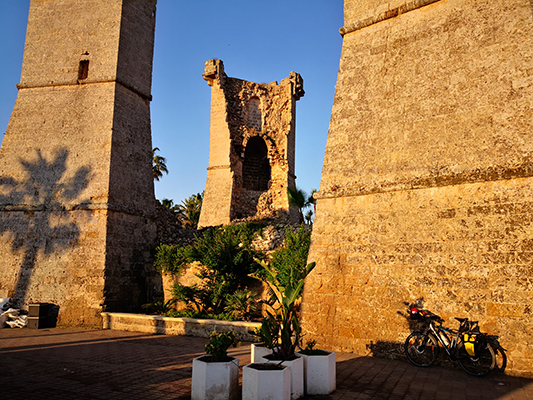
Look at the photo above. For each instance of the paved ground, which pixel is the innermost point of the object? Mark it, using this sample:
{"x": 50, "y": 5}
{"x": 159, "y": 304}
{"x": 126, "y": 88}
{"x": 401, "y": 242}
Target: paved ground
{"x": 98, "y": 364}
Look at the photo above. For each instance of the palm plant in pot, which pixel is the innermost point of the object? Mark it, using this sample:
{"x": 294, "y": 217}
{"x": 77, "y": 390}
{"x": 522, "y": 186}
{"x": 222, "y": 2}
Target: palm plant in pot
{"x": 280, "y": 330}
{"x": 215, "y": 376}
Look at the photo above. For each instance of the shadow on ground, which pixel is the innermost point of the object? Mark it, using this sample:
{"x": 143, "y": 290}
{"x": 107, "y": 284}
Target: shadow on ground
{"x": 104, "y": 364}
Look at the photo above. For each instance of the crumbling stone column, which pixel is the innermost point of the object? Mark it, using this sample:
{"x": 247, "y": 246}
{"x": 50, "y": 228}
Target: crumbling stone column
{"x": 251, "y": 152}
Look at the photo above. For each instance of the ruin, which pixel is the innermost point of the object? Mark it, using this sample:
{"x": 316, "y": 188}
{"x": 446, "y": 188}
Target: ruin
{"x": 426, "y": 189}
{"x": 251, "y": 150}
{"x": 76, "y": 187}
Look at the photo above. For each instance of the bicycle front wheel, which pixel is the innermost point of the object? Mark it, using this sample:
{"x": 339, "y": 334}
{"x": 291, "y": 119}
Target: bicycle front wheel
{"x": 421, "y": 349}
{"x": 480, "y": 364}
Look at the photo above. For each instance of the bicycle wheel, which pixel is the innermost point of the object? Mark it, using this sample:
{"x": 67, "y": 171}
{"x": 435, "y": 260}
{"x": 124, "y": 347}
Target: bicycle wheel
{"x": 481, "y": 364}
{"x": 421, "y": 349}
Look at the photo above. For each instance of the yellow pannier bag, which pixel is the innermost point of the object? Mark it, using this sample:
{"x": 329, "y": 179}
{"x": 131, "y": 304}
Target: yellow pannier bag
{"x": 469, "y": 340}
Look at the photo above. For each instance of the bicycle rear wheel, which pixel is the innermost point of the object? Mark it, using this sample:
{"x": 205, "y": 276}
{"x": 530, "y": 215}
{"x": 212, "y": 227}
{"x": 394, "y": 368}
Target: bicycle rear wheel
{"x": 481, "y": 364}
{"x": 421, "y": 349}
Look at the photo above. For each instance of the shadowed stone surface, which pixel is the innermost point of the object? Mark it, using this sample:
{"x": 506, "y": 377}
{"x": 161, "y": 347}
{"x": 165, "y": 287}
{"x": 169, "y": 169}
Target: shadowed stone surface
{"x": 95, "y": 364}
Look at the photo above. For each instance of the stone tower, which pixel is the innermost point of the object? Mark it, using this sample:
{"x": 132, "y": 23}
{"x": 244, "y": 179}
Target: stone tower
{"x": 427, "y": 181}
{"x": 251, "y": 153}
{"x": 76, "y": 188}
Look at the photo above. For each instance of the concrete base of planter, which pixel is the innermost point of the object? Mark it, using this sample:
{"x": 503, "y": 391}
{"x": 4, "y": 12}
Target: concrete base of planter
{"x": 297, "y": 375}
{"x": 215, "y": 380}
{"x": 266, "y": 384}
{"x": 320, "y": 373}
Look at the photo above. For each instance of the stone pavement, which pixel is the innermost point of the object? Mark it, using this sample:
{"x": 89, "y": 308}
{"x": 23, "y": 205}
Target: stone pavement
{"x": 105, "y": 364}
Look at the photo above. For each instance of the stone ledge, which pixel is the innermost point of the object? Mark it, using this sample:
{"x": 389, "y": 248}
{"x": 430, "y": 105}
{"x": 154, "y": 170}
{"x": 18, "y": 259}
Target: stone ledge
{"x": 177, "y": 326}
{"x": 407, "y": 7}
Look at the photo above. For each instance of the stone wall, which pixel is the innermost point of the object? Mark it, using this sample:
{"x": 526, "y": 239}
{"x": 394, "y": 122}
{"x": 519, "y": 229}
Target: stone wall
{"x": 76, "y": 187}
{"x": 251, "y": 153}
{"x": 426, "y": 186}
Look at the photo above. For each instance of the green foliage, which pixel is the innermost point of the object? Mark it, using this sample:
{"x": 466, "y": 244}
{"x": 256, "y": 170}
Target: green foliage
{"x": 159, "y": 307}
{"x": 219, "y": 343}
{"x": 291, "y": 259}
{"x": 159, "y": 165}
{"x": 285, "y": 275}
{"x": 311, "y": 351}
{"x": 241, "y": 304}
{"x": 280, "y": 329}
{"x": 189, "y": 210}
{"x": 195, "y": 314}
{"x": 171, "y": 259}
{"x": 227, "y": 258}
{"x": 299, "y": 199}
{"x": 310, "y": 345}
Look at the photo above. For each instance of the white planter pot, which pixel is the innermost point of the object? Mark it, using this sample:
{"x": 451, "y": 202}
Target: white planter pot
{"x": 215, "y": 380}
{"x": 259, "y": 384}
{"x": 320, "y": 373}
{"x": 297, "y": 375}
{"x": 258, "y": 352}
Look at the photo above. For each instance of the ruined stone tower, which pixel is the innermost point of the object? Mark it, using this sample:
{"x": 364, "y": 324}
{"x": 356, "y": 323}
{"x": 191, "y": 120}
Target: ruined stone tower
{"x": 76, "y": 188}
{"x": 251, "y": 153}
{"x": 427, "y": 185}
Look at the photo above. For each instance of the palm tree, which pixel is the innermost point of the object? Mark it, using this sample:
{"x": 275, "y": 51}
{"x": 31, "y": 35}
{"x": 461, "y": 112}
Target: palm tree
{"x": 158, "y": 165}
{"x": 168, "y": 203}
{"x": 299, "y": 199}
{"x": 189, "y": 210}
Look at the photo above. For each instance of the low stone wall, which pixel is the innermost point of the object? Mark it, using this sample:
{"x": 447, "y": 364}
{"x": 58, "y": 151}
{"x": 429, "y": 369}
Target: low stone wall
{"x": 177, "y": 326}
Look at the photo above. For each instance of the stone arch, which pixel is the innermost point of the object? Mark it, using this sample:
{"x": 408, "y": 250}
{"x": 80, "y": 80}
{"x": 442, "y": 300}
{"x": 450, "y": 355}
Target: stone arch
{"x": 253, "y": 113}
{"x": 256, "y": 165}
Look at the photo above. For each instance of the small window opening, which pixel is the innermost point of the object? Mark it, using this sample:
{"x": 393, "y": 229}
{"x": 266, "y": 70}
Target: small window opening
{"x": 254, "y": 113}
{"x": 83, "y": 71}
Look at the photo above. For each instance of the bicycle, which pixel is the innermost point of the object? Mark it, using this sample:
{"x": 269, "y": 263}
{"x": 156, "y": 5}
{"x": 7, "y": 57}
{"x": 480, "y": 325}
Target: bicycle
{"x": 466, "y": 345}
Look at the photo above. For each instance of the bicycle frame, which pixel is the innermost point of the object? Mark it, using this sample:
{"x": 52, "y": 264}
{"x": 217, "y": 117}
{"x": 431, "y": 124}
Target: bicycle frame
{"x": 452, "y": 343}
{"x": 422, "y": 347}
{"x": 452, "y": 346}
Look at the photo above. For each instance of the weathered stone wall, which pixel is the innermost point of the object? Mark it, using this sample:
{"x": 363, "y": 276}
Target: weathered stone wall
{"x": 76, "y": 188}
{"x": 426, "y": 185}
{"x": 251, "y": 154}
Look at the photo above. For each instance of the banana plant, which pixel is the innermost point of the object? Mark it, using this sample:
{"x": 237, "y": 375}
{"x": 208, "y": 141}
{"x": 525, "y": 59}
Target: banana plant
{"x": 280, "y": 329}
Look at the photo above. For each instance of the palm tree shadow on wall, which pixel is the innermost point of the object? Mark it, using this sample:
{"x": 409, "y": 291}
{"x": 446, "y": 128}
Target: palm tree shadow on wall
{"x": 34, "y": 212}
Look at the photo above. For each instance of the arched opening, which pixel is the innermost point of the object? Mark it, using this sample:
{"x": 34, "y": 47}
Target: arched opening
{"x": 256, "y": 167}
{"x": 253, "y": 114}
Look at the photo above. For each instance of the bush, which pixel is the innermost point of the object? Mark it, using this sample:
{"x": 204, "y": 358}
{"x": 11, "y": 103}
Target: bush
{"x": 241, "y": 304}
{"x": 292, "y": 257}
{"x": 227, "y": 258}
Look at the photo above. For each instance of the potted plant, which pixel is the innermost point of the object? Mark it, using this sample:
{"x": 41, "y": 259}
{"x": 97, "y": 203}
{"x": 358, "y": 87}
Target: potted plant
{"x": 280, "y": 330}
{"x": 216, "y": 375}
{"x": 319, "y": 370}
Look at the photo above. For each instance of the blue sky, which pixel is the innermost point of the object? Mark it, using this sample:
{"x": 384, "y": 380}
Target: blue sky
{"x": 260, "y": 41}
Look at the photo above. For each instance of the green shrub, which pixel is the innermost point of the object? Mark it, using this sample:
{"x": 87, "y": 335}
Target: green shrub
{"x": 227, "y": 258}
{"x": 291, "y": 258}
{"x": 241, "y": 304}
{"x": 219, "y": 343}
{"x": 159, "y": 307}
